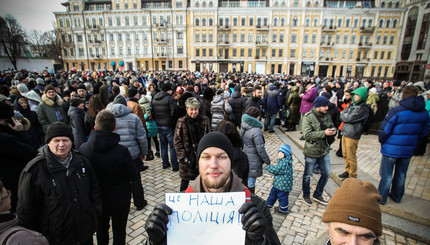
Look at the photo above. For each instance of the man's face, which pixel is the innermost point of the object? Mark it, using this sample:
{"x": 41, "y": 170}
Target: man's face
{"x": 322, "y": 109}
{"x": 192, "y": 112}
{"x": 257, "y": 93}
{"x": 341, "y": 233}
{"x": 82, "y": 93}
{"x": 23, "y": 103}
{"x": 356, "y": 97}
{"x": 214, "y": 169}
{"x": 51, "y": 94}
{"x": 347, "y": 96}
{"x": 60, "y": 146}
{"x": 356, "y": 84}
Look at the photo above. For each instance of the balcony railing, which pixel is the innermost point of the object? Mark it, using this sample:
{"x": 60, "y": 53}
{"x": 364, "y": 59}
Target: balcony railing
{"x": 223, "y": 27}
{"x": 329, "y": 28}
{"x": 264, "y": 43}
{"x": 365, "y": 45}
{"x": 262, "y": 27}
{"x": 367, "y": 29}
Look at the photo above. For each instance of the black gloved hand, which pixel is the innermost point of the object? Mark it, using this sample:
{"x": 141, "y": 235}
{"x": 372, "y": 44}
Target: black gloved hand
{"x": 156, "y": 224}
{"x": 253, "y": 222}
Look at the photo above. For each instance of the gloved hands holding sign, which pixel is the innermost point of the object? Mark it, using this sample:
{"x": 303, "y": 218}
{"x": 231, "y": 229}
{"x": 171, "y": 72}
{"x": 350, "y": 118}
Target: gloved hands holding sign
{"x": 253, "y": 223}
{"x": 156, "y": 224}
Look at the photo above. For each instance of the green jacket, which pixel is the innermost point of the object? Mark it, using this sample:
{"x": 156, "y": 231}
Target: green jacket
{"x": 50, "y": 111}
{"x": 316, "y": 144}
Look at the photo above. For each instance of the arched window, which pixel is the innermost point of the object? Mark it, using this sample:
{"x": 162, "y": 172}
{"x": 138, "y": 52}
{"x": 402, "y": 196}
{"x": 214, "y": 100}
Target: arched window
{"x": 211, "y": 4}
{"x": 275, "y": 21}
{"x": 197, "y": 22}
{"x": 363, "y": 23}
{"x": 395, "y": 23}
{"x": 283, "y": 4}
{"x": 397, "y": 4}
{"x": 339, "y": 22}
{"x": 282, "y": 21}
{"x": 204, "y": 4}
{"x": 295, "y": 21}
{"x": 390, "y": 4}
{"x": 308, "y": 4}
{"x": 308, "y": 22}
{"x": 388, "y": 23}
{"x": 211, "y": 22}
{"x": 382, "y": 4}
{"x": 197, "y": 4}
{"x": 221, "y": 21}
{"x": 204, "y": 22}
{"x": 317, "y": 4}
{"x": 315, "y": 22}
{"x": 276, "y": 4}
{"x": 381, "y": 23}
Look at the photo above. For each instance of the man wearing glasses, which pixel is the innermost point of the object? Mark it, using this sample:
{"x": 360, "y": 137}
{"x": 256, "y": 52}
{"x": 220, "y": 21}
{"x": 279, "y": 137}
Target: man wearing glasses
{"x": 10, "y": 231}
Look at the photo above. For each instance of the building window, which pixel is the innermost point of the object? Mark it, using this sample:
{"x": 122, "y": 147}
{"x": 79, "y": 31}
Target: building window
{"x": 118, "y": 21}
{"x": 204, "y": 22}
{"x": 110, "y": 22}
{"x": 381, "y": 23}
{"x": 294, "y": 38}
{"x": 314, "y": 38}
{"x": 211, "y": 37}
{"x": 305, "y": 53}
{"x": 234, "y": 52}
{"x": 293, "y": 53}
{"x": 282, "y": 21}
{"x": 348, "y": 22}
{"x": 197, "y": 22}
{"x": 312, "y": 53}
{"x": 197, "y": 38}
{"x": 180, "y": 50}
{"x": 295, "y": 22}
{"x": 273, "y": 52}
{"x": 382, "y": 55}
{"x": 375, "y": 55}
{"x": 204, "y": 38}
{"x": 242, "y": 37}
{"x": 274, "y": 37}
{"x": 197, "y": 52}
{"x": 81, "y": 51}
{"x": 343, "y": 54}
{"x": 250, "y": 37}
{"x": 388, "y": 55}
{"x": 211, "y": 22}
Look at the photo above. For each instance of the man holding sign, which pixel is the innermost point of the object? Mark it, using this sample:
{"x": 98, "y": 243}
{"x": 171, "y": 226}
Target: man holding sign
{"x": 214, "y": 155}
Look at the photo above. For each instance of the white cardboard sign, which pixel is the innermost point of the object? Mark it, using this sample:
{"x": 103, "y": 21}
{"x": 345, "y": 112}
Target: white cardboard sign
{"x": 205, "y": 218}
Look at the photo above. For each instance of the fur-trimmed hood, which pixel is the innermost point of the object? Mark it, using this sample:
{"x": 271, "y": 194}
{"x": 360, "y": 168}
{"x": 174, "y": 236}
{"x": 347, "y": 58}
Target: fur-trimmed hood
{"x": 250, "y": 122}
{"x": 50, "y": 102}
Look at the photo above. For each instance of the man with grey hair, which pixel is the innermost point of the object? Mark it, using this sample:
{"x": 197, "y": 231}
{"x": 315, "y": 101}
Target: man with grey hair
{"x": 189, "y": 130}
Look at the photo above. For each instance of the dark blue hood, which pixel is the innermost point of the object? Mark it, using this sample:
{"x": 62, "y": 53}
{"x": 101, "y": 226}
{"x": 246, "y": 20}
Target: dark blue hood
{"x": 416, "y": 103}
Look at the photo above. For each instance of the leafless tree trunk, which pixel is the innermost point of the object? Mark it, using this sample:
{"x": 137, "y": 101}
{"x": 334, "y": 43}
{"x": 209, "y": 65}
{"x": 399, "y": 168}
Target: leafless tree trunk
{"x": 12, "y": 38}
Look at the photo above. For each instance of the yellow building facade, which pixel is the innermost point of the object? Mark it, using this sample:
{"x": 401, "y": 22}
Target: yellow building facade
{"x": 327, "y": 38}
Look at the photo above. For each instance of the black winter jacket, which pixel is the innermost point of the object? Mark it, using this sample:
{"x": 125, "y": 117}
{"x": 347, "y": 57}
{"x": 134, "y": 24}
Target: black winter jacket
{"x": 163, "y": 109}
{"x": 16, "y": 151}
{"x": 114, "y": 167}
{"x": 61, "y": 203}
{"x": 252, "y": 101}
{"x": 77, "y": 119}
{"x": 236, "y": 103}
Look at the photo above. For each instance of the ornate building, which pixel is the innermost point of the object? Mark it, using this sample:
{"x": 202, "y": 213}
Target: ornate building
{"x": 328, "y": 38}
{"x": 414, "y": 50}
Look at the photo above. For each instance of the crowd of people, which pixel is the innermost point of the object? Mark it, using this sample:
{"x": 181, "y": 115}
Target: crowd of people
{"x": 74, "y": 141}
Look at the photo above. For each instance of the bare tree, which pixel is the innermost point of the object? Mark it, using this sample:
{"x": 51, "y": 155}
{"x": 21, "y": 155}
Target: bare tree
{"x": 57, "y": 41}
{"x": 12, "y": 38}
{"x": 39, "y": 42}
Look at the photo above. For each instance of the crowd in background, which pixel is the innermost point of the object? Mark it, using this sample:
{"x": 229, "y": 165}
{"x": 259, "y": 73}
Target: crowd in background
{"x": 167, "y": 103}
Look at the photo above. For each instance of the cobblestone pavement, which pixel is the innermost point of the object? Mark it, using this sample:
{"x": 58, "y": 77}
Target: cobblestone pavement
{"x": 301, "y": 226}
{"x": 369, "y": 160}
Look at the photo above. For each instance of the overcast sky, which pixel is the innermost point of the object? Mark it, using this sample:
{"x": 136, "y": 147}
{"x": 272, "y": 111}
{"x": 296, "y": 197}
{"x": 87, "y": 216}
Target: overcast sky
{"x": 33, "y": 14}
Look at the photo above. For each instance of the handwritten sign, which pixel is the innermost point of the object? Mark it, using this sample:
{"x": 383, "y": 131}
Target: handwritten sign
{"x": 205, "y": 218}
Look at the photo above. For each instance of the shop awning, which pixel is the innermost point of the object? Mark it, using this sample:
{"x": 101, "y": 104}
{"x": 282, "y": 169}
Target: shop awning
{"x": 112, "y": 63}
{"x": 121, "y": 63}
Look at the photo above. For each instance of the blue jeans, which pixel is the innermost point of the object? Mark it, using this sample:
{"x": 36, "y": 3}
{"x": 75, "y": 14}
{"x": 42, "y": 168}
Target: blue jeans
{"x": 324, "y": 163}
{"x": 281, "y": 196}
{"x": 166, "y": 138}
{"x": 269, "y": 118}
{"x": 251, "y": 182}
{"x": 397, "y": 183}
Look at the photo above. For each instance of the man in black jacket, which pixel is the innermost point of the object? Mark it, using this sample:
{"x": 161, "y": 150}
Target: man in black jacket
{"x": 163, "y": 112}
{"x": 215, "y": 154}
{"x": 16, "y": 151}
{"x": 255, "y": 99}
{"x": 116, "y": 170}
{"x": 59, "y": 193}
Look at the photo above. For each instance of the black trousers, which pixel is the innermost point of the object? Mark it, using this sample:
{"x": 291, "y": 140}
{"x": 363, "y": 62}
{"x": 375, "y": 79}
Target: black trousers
{"x": 119, "y": 217}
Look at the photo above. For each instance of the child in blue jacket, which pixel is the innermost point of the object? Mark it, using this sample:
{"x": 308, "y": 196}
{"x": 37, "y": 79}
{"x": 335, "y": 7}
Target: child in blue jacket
{"x": 283, "y": 179}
